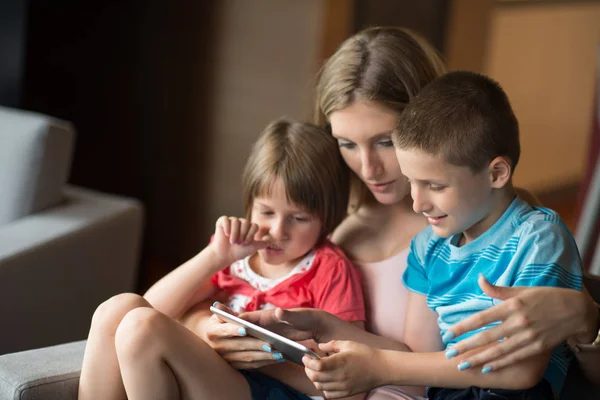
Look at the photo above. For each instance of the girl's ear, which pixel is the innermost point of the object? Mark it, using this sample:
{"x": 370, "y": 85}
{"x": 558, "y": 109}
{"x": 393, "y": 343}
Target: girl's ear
{"x": 500, "y": 172}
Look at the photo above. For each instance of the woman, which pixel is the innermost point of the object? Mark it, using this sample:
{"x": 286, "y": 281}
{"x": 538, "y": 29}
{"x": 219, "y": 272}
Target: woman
{"x": 360, "y": 92}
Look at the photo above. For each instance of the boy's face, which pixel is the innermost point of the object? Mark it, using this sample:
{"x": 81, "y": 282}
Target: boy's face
{"x": 453, "y": 198}
{"x": 291, "y": 231}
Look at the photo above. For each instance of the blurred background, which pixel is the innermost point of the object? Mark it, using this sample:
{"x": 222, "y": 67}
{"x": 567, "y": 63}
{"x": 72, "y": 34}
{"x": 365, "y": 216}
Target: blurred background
{"x": 168, "y": 96}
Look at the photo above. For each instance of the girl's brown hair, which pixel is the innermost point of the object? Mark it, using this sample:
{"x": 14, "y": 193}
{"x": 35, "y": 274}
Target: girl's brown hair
{"x": 385, "y": 65}
{"x": 307, "y": 160}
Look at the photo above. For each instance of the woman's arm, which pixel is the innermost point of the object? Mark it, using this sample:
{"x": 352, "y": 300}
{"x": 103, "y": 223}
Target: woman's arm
{"x": 534, "y": 320}
{"x": 309, "y": 323}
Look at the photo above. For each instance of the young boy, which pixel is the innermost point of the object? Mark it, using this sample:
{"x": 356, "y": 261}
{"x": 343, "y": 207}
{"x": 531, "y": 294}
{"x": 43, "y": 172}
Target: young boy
{"x": 457, "y": 143}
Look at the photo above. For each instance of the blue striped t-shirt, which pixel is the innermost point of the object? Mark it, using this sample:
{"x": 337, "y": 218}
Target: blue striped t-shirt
{"x": 527, "y": 246}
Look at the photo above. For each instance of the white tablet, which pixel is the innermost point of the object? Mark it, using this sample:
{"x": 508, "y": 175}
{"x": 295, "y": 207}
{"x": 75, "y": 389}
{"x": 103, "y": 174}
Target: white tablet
{"x": 291, "y": 350}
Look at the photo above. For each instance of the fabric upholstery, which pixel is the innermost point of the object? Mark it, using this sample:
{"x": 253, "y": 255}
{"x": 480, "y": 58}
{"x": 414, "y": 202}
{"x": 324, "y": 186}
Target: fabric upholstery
{"x": 35, "y": 157}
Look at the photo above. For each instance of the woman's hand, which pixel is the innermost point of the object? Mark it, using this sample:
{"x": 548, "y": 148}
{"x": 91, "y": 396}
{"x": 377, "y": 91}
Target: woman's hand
{"x": 236, "y": 238}
{"x": 534, "y": 320}
{"x": 232, "y": 343}
{"x": 297, "y": 324}
{"x": 350, "y": 368}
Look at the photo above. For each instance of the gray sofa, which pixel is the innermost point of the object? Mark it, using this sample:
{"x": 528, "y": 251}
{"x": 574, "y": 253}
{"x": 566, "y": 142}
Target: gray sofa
{"x": 63, "y": 249}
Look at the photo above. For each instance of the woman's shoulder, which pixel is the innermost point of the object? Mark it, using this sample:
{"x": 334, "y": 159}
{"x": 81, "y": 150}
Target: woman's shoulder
{"x": 366, "y": 238}
{"x": 330, "y": 252}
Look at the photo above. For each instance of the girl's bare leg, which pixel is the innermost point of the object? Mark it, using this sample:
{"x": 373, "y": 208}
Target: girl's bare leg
{"x": 161, "y": 359}
{"x": 100, "y": 374}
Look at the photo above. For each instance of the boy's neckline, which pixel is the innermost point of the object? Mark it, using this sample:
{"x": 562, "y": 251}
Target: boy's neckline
{"x": 456, "y": 240}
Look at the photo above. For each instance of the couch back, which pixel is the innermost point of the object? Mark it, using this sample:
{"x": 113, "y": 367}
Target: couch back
{"x": 35, "y": 158}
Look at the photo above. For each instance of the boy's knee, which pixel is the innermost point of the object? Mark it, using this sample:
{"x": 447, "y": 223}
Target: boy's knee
{"x": 138, "y": 330}
{"x": 109, "y": 314}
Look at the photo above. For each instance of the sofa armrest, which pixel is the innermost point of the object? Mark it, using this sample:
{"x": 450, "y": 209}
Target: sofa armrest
{"x": 50, "y": 373}
{"x": 58, "y": 265}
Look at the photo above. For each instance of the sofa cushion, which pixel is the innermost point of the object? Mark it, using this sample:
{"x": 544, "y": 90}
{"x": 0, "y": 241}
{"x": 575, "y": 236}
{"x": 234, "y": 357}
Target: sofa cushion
{"x": 35, "y": 157}
{"x": 50, "y": 373}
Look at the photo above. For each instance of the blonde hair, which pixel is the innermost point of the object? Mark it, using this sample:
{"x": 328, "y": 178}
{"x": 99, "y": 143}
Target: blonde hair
{"x": 308, "y": 162}
{"x": 385, "y": 65}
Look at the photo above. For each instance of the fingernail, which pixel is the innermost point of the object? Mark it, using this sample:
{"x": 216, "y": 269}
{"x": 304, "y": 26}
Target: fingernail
{"x": 278, "y": 356}
{"x": 215, "y": 303}
{"x": 281, "y": 360}
{"x": 451, "y": 353}
{"x": 266, "y": 348}
{"x": 487, "y": 369}
{"x": 242, "y": 331}
{"x": 464, "y": 365}
{"x": 448, "y": 336}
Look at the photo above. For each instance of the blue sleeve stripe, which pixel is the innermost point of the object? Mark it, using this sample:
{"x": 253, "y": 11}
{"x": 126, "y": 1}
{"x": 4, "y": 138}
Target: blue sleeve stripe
{"x": 548, "y": 279}
{"x": 565, "y": 277}
{"x": 537, "y": 269}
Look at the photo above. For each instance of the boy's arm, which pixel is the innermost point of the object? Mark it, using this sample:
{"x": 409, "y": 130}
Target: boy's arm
{"x": 353, "y": 367}
{"x": 426, "y": 341}
{"x": 433, "y": 369}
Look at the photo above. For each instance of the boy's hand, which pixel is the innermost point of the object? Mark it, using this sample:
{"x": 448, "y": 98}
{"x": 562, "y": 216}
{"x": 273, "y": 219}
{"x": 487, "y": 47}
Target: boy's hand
{"x": 236, "y": 238}
{"x": 351, "y": 368}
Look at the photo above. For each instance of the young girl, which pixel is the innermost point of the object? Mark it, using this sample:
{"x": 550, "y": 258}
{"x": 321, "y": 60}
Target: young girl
{"x": 295, "y": 193}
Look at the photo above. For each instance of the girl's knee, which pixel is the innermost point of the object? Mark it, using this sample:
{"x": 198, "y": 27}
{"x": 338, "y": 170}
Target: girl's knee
{"x": 139, "y": 330}
{"x": 109, "y": 314}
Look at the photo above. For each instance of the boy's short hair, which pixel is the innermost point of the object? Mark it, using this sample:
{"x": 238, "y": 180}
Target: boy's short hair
{"x": 464, "y": 116}
{"x": 307, "y": 160}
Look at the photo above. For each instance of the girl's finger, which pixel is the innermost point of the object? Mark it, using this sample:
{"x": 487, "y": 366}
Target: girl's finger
{"x": 235, "y": 231}
{"x": 252, "y": 230}
{"x": 252, "y": 356}
{"x": 224, "y": 224}
{"x": 244, "y": 228}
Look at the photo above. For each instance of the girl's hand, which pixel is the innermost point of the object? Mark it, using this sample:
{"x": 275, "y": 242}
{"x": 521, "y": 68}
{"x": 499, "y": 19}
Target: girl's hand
{"x": 232, "y": 343}
{"x": 351, "y": 368}
{"x": 235, "y": 238}
{"x": 534, "y": 320}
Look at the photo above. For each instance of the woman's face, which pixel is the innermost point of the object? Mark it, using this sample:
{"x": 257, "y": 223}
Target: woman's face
{"x": 363, "y": 131}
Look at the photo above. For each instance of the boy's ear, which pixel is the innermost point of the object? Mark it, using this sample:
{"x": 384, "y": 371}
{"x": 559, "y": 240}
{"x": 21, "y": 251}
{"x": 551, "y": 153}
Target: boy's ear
{"x": 500, "y": 172}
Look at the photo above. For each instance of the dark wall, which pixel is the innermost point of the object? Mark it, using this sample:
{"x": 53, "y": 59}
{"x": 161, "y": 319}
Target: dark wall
{"x": 427, "y": 17}
{"x": 131, "y": 75}
{"x": 13, "y": 14}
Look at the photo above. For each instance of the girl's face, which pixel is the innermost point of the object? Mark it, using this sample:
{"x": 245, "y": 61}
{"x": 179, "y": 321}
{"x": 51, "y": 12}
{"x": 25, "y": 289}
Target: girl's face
{"x": 363, "y": 131}
{"x": 291, "y": 231}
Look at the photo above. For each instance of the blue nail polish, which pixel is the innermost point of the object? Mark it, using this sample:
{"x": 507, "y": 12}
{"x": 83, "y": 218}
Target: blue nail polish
{"x": 448, "y": 336}
{"x": 487, "y": 369}
{"x": 266, "y": 348}
{"x": 464, "y": 365}
{"x": 215, "y": 303}
{"x": 281, "y": 360}
{"x": 451, "y": 353}
{"x": 278, "y": 356}
{"x": 242, "y": 331}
